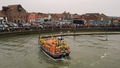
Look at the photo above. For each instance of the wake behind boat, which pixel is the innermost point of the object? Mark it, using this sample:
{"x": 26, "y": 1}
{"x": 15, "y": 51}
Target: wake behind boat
{"x": 55, "y": 48}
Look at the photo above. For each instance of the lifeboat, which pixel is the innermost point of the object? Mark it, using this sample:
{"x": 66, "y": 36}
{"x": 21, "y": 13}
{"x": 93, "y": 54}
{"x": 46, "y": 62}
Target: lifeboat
{"x": 54, "y": 47}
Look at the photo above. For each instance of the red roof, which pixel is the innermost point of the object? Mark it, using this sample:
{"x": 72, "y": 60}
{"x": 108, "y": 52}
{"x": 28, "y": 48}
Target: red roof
{"x": 59, "y": 15}
{"x": 42, "y": 15}
{"x": 76, "y": 16}
{"x": 118, "y": 18}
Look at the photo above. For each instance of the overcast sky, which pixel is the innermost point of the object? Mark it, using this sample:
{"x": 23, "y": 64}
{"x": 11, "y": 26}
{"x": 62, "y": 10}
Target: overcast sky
{"x": 108, "y": 7}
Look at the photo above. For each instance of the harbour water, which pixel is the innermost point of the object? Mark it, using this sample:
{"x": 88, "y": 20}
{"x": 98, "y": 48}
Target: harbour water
{"x": 87, "y": 51}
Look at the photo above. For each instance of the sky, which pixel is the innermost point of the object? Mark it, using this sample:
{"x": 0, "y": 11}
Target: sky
{"x": 108, "y": 7}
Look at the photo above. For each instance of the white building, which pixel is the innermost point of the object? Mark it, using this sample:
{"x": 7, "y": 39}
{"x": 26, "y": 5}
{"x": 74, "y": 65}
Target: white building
{"x": 3, "y": 18}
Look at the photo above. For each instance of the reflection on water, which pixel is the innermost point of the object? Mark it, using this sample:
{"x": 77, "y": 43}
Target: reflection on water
{"x": 87, "y": 51}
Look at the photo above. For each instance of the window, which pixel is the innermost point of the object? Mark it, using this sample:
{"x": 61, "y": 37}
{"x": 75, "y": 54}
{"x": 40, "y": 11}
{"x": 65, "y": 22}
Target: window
{"x": 49, "y": 44}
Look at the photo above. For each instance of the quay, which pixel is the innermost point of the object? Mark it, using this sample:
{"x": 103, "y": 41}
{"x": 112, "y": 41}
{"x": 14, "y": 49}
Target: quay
{"x": 81, "y": 33}
{"x": 63, "y": 32}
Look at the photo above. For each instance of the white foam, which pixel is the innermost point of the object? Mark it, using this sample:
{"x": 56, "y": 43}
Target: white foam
{"x": 103, "y": 55}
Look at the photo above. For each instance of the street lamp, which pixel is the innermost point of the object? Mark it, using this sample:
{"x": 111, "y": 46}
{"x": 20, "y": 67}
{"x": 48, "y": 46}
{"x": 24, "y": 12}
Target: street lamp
{"x": 61, "y": 34}
{"x": 74, "y": 29}
{"x": 105, "y": 27}
{"x": 101, "y": 20}
{"x": 106, "y": 31}
{"x": 68, "y": 32}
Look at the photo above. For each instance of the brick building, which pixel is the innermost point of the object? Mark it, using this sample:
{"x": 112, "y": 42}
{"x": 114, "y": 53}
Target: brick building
{"x": 15, "y": 13}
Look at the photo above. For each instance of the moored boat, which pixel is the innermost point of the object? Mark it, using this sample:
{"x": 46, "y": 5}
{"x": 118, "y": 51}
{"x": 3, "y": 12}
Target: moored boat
{"x": 54, "y": 47}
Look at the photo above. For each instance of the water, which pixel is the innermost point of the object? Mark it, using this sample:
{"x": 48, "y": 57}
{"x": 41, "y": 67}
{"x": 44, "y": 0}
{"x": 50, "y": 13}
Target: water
{"x": 87, "y": 51}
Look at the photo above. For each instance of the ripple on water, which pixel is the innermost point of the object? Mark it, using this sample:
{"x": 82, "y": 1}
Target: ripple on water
{"x": 24, "y": 52}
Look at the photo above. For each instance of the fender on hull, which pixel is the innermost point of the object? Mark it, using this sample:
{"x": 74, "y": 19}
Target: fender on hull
{"x": 55, "y": 56}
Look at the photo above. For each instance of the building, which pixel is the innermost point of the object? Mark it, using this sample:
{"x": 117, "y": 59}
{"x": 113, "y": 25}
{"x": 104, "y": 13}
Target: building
{"x": 95, "y": 18}
{"x": 3, "y": 17}
{"x": 76, "y": 16}
{"x": 31, "y": 17}
{"x": 42, "y": 17}
{"x": 57, "y": 17}
{"x": 39, "y": 18}
{"x": 15, "y": 13}
{"x": 67, "y": 15}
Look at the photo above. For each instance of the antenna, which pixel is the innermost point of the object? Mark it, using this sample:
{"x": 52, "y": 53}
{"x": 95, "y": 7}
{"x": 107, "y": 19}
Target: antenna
{"x": 52, "y": 28}
{"x": 39, "y": 31}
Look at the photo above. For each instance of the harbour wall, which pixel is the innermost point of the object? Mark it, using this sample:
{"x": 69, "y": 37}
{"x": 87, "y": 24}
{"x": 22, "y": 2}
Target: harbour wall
{"x": 58, "y": 31}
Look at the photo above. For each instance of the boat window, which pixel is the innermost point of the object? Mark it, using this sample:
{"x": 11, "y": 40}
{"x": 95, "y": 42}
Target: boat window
{"x": 52, "y": 42}
{"x": 49, "y": 44}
